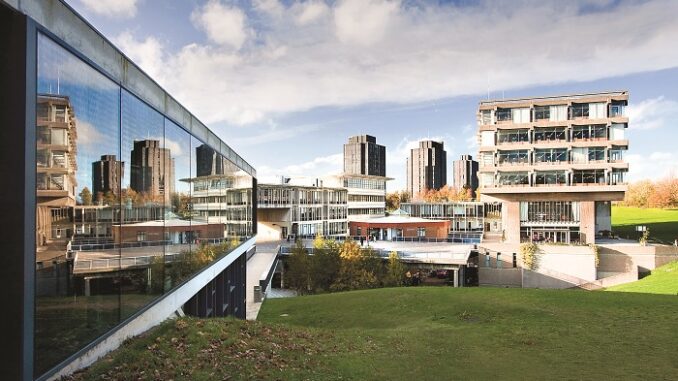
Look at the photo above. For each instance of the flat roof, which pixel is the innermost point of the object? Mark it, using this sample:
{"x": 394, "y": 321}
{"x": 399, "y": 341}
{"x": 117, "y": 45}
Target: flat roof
{"x": 397, "y": 220}
{"x": 555, "y": 97}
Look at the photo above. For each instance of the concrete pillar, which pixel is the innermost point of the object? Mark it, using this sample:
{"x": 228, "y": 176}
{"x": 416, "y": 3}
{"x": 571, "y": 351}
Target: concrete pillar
{"x": 87, "y": 289}
{"x": 587, "y": 217}
{"x": 455, "y": 278}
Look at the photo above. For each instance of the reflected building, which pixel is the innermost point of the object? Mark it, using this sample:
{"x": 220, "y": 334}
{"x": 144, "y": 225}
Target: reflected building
{"x": 56, "y": 167}
{"x": 208, "y": 161}
{"x": 83, "y": 277}
{"x": 106, "y": 175}
{"x": 152, "y": 169}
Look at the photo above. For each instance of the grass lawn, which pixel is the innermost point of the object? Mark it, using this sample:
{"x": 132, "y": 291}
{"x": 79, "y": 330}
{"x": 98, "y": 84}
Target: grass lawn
{"x": 663, "y": 223}
{"x": 663, "y": 280}
{"x": 419, "y": 333}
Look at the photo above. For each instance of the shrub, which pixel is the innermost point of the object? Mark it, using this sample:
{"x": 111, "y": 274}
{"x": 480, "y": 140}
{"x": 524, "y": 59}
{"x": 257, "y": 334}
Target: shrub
{"x": 528, "y": 255}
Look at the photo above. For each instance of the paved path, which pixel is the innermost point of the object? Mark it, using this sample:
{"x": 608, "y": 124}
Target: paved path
{"x": 257, "y": 266}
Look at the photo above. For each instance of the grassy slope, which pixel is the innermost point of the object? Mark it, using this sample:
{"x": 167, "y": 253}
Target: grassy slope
{"x": 435, "y": 333}
{"x": 663, "y": 223}
{"x": 663, "y": 280}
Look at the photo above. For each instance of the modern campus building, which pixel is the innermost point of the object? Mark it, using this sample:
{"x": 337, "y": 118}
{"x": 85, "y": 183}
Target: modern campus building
{"x": 465, "y": 172}
{"x": 555, "y": 163}
{"x": 426, "y": 167}
{"x": 363, "y": 156}
{"x": 469, "y": 221}
{"x": 83, "y": 272}
{"x": 399, "y": 225}
{"x": 285, "y": 210}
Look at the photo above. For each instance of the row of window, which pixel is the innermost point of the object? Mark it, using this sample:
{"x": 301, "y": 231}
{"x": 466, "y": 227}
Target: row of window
{"x": 366, "y": 198}
{"x": 282, "y": 196}
{"x": 598, "y": 110}
{"x": 364, "y": 183}
{"x": 578, "y": 155}
{"x": 576, "y": 177}
{"x": 616, "y": 131}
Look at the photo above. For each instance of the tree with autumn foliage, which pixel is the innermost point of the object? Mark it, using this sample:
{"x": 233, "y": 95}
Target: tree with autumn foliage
{"x": 653, "y": 194}
{"x": 445, "y": 194}
{"x": 394, "y": 199}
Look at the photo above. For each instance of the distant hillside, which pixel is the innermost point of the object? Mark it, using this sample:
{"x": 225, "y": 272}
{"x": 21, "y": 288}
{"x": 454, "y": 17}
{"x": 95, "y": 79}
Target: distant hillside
{"x": 663, "y": 223}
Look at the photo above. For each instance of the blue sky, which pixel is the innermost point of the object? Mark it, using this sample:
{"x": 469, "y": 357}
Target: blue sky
{"x": 286, "y": 82}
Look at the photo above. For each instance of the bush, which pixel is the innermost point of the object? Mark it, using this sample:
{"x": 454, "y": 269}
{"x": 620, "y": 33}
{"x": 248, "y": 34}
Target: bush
{"x": 528, "y": 255}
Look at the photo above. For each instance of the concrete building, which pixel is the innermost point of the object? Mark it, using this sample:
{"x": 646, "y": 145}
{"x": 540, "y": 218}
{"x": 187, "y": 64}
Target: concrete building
{"x": 152, "y": 169}
{"x": 469, "y": 221}
{"x": 426, "y": 167}
{"x": 106, "y": 175}
{"x": 465, "y": 172}
{"x": 224, "y": 199}
{"x": 302, "y": 211}
{"x": 555, "y": 163}
{"x": 366, "y": 194}
{"x": 363, "y": 156}
{"x": 76, "y": 290}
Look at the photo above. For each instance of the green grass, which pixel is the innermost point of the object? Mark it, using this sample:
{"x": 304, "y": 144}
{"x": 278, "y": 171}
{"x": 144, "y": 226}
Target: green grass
{"x": 422, "y": 333}
{"x": 663, "y": 223}
{"x": 663, "y": 280}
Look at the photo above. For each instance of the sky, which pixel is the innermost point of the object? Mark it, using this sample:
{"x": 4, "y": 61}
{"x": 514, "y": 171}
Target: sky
{"x": 285, "y": 83}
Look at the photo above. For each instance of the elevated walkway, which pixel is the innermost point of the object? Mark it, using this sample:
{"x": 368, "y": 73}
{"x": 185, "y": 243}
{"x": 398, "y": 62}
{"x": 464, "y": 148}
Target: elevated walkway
{"x": 259, "y": 266}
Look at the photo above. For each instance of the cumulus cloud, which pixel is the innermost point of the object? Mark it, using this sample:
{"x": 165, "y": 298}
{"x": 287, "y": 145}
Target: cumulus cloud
{"x": 652, "y": 113}
{"x": 112, "y": 8}
{"x": 403, "y": 53}
{"x": 148, "y": 53}
{"x": 320, "y": 166}
{"x": 310, "y": 11}
{"x": 223, "y": 24}
{"x": 656, "y": 165}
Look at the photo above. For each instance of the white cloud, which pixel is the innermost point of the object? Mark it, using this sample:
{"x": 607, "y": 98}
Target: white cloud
{"x": 88, "y": 134}
{"x": 223, "y": 24}
{"x": 318, "y": 167}
{"x": 656, "y": 165}
{"x": 310, "y": 11}
{"x": 364, "y": 22}
{"x": 112, "y": 8}
{"x": 384, "y": 51}
{"x": 652, "y": 113}
{"x": 148, "y": 54}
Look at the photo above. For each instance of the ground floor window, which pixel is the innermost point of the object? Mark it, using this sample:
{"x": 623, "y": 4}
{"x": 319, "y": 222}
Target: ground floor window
{"x": 421, "y": 232}
{"x": 546, "y": 234}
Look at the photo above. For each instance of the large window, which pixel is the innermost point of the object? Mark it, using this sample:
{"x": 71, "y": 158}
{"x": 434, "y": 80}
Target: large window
{"x": 513, "y": 178}
{"x": 550, "y": 156}
{"x": 549, "y": 212}
{"x": 592, "y": 176}
{"x": 550, "y": 178}
{"x": 117, "y": 221}
{"x": 516, "y": 157}
{"x": 513, "y": 136}
{"x": 545, "y": 134}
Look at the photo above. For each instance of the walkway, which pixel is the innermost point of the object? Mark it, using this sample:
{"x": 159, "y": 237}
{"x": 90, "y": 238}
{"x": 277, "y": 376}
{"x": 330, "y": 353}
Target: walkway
{"x": 257, "y": 267}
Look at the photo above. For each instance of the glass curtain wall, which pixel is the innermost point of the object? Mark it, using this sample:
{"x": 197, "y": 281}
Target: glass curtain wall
{"x": 117, "y": 217}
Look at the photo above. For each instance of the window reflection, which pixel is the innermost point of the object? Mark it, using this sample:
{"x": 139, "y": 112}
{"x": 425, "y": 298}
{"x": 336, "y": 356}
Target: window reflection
{"x": 129, "y": 206}
{"x": 76, "y": 262}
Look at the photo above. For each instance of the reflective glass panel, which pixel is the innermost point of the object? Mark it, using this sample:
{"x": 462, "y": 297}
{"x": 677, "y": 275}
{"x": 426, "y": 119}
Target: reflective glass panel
{"x": 78, "y": 183}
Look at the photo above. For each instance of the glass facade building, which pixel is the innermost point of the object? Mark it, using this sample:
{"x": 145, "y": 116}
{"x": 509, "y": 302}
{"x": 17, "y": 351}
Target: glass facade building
{"x": 120, "y": 218}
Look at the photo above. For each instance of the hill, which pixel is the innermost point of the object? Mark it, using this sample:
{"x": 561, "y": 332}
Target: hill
{"x": 663, "y": 280}
{"x": 435, "y": 333}
{"x": 663, "y": 223}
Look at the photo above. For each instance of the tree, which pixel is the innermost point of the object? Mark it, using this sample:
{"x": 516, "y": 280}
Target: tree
{"x": 392, "y": 201}
{"x": 396, "y": 270}
{"x": 298, "y": 271}
{"x": 325, "y": 264}
{"x": 357, "y": 269}
{"x": 86, "y": 196}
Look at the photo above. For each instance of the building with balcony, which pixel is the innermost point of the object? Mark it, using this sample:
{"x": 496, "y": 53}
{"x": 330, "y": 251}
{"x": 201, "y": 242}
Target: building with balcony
{"x": 81, "y": 279}
{"x": 426, "y": 167}
{"x": 556, "y": 163}
{"x": 366, "y": 194}
{"x": 285, "y": 210}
